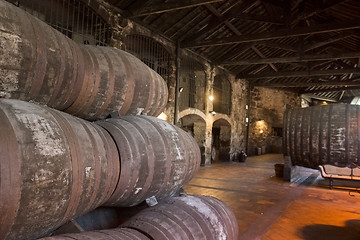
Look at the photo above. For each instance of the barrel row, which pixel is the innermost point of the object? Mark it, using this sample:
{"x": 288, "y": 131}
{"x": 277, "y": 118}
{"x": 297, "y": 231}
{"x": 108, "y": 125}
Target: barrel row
{"x": 156, "y": 158}
{"x": 319, "y": 135}
{"x": 54, "y": 166}
{"x": 113, "y": 234}
{"x": 39, "y": 63}
{"x": 174, "y": 218}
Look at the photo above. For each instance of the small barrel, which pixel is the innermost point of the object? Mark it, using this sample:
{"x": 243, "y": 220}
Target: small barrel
{"x": 39, "y": 63}
{"x": 116, "y": 233}
{"x": 53, "y": 167}
{"x": 188, "y": 217}
{"x": 157, "y": 158}
{"x": 326, "y": 134}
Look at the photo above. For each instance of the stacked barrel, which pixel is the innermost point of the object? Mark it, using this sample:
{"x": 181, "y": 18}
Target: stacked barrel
{"x": 55, "y": 167}
{"x": 41, "y": 64}
{"x": 176, "y": 218}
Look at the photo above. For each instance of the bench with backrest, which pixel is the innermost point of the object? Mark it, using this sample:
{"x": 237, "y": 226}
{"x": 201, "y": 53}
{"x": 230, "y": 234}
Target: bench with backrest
{"x": 341, "y": 173}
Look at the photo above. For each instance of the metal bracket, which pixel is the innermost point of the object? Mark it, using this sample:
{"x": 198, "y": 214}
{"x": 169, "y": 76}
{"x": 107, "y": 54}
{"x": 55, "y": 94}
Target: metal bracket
{"x": 151, "y": 201}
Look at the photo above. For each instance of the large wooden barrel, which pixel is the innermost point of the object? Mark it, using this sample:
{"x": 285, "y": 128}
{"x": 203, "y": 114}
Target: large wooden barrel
{"x": 110, "y": 234}
{"x": 188, "y": 217}
{"x": 176, "y": 218}
{"x": 327, "y": 134}
{"x": 39, "y": 63}
{"x": 157, "y": 158}
{"x": 53, "y": 167}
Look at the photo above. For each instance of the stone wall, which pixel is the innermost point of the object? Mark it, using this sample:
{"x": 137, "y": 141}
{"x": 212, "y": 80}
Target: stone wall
{"x": 267, "y": 109}
{"x": 240, "y": 99}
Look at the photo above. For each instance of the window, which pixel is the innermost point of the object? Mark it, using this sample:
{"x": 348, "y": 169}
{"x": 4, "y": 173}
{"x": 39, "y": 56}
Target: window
{"x": 71, "y": 17}
{"x": 222, "y": 95}
{"x": 192, "y": 83}
{"x": 150, "y": 52}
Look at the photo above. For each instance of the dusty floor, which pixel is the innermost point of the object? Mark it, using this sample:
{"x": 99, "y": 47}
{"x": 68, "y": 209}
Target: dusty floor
{"x": 266, "y": 207}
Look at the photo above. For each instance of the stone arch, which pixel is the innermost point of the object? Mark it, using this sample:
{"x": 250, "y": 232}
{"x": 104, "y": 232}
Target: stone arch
{"x": 222, "y": 117}
{"x": 192, "y": 111}
{"x": 194, "y": 121}
{"x": 221, "y": 138}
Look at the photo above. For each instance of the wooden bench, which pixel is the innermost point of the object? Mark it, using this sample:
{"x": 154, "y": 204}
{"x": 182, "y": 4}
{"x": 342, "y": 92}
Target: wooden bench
{"x": 341, "y": 173}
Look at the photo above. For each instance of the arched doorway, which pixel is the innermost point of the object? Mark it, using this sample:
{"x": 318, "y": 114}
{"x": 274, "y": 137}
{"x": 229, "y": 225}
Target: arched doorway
{"x": 193, "y": 122}
{"x": 220, "y": 142}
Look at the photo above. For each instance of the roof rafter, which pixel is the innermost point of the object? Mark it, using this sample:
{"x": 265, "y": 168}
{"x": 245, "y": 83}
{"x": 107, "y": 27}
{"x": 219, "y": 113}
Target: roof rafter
{"x": 305, "y": 58}
{"x": 342, "y": 88}
{"x": 258, "y": 18}
{"x": 309, "y": 84}
{"x": 272, "y": 35}
{"x": 238, "y": 33}
{"x": 328, "y": 41}
{"x": 219, "y": 19}
{"x": 168, "y": 7}
{"x": 321, "y": 8}
{"x": 300, "y": 73}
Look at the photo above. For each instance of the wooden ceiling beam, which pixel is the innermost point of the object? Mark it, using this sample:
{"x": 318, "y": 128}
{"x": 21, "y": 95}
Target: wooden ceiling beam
{"x": 278, "y": 45}
{"x": 136, "y": 5}
{"x": 303, "y": 31}
{"x": 242, "y": 47}
{"x": 300, "y": 73}
{"x": 238, "y": 33}
{"x": 218, "y": 19}
{"x": 321, "y": 8}
{"x": 328, "y": 41}
{"x": 305, "y": 58}
{"x": 277, "y": 3}
{"x": 263, "y": 57}
{"x": 168, "y": 7}
{"x": 330, "y": 89}
{"x": 309, "y": 84}
{"x": 258, "y": 18}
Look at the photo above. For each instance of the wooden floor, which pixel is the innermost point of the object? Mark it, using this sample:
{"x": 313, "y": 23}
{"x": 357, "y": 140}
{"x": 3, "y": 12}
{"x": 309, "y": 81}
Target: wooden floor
{"x": 266, "y": 207}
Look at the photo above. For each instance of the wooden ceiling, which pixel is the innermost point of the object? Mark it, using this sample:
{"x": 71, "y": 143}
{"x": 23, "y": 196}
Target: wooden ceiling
{"x": 305, "y": 46}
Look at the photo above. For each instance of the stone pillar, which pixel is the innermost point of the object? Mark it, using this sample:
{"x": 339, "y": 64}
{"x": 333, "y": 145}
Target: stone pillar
{"x": 207, "y": 144}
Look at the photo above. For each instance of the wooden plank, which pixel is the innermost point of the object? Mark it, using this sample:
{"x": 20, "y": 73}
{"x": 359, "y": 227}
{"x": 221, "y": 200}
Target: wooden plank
{"x": 303, "y": 31}
{"x": 321, "y": 8}
{"x": 299, "y": 73}
{"x": 273, "y": 44}
{"x": 259, "y": 18}
{"x": 219, "y": 19}
{"x": 306, "y": 58}
{"x": 330, "y": 90}
{"x": 328, "y": 41}
{"x": 308, "y": 84}
{"x": 169, "y": 6}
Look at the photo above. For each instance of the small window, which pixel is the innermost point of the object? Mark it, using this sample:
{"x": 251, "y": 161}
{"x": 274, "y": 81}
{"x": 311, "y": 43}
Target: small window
{"x": 222, "y": 95}
{"x": 277, "y": 132}
{"x": 70, "y": 17}
{"x": 151, "y": 52}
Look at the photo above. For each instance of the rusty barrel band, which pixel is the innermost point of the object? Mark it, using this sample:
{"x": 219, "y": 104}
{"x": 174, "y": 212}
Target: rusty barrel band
{"x": 10, "y": 169}
{"x": 76, "y": 161}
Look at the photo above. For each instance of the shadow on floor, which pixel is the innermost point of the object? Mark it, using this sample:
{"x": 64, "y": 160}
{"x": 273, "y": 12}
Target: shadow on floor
{"x": 351, "y": 231}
